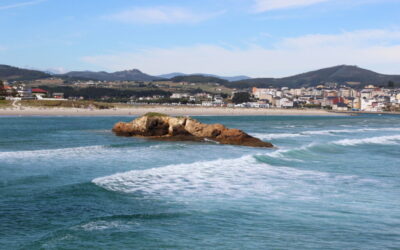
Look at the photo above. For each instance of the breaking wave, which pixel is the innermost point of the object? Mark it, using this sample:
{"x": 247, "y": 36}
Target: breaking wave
{"x": 318, "y": 132}
{"x": 383, "y": 140}
{"x": 242, "y": 177}
{"x": 313, "y": 151}
{"x": 66, "y": 152}
{"x": 275, "y": 136}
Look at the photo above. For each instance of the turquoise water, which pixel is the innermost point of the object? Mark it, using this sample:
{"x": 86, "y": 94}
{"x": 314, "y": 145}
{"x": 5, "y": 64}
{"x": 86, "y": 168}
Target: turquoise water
{"x": 332, "y": 183}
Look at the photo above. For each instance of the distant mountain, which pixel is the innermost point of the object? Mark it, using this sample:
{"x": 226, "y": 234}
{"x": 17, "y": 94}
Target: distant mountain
{"x": 13, "y": 73}
{"x": 342, "y": 74}
{"x": 235, "y": 78}
{"x": 171, "y": 75}
{"x": 198, "y": 79}
{"x": 126, "y": 75}
{"x": 228, "y": 78}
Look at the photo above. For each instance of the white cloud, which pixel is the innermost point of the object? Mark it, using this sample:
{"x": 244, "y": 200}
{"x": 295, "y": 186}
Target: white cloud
{"x": 161, "y": 14}
{"x": 267, "y": 5}
{"x": 378, "y": 50}
{"x": 360, "y": 38}
{"x": 21, "y": 4}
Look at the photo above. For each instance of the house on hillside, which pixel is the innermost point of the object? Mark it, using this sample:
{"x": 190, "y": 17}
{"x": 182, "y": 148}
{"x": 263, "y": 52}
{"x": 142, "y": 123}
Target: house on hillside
{"x": 179, "y": 95}
{"x": 39, "y": 92}
{"x": 58, "y": 95}
{"x": 340, "y": 106}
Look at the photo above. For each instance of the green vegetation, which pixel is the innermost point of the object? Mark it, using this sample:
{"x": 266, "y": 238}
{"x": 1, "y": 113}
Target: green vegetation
{"x": 198, "y": 79}
{"x": 4, "y": 103}
{"x": 241, "y": 97}
{"x": 66, "y": 104}
{"x": 312, "y": 106}
{"x": 109, "y": 94}
{"x": 341, "y": 74}
{"x": 14, "y": 73}
{"x": 2, "y": 90}
{"x": 154, "y": 114}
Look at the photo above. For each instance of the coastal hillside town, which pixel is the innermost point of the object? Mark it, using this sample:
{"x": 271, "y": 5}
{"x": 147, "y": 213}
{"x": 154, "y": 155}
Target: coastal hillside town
{"x": 331, "y": 96}
{"x": 370, "y": 98}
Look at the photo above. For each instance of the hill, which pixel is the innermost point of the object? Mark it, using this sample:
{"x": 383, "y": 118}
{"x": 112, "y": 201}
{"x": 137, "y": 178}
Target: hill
{"x": 341, "y": 74}
{"x": 126, "y": 75}
{"x": 228, "y": 78}
{"x": 13, "y": 73}
{"x": 198, "y": 79}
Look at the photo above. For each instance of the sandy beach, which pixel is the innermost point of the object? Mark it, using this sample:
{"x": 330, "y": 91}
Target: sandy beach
{"x": 140, "y": 110}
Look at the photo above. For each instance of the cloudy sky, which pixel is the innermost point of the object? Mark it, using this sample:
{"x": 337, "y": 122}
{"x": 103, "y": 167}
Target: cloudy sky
{"x": 259, "y": 38}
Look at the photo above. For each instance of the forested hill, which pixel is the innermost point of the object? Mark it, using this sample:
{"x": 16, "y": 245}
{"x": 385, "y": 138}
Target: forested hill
{"x": 125, "y": 75}
{"x": 13, "y": 73}
{"x": 342, "y": 74}
{"x": 198, "y": 79}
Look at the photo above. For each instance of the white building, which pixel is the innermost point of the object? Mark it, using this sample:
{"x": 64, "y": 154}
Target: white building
{"x": 179, "y": 95}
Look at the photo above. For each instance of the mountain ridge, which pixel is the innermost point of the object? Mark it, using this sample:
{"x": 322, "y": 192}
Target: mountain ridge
{"x": 124, "y": 75}
{"x": 341, "y": 74}
{"x": 228, "y": 78}
{"x": 8, "y": 72}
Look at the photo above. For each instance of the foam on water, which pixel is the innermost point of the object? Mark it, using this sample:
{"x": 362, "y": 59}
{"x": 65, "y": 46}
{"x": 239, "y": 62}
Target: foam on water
{"x": 233, "y": 178}
{"x": 309, "y": 151}
{"x": 319, "y": 132}
{"x": 103, "y": 225}
{"x": 61, "y": 152}
{"x": 85, "y": 151}
{"x": 283, "y": 153}
{"x": 275, "y": 136}
{"x": 383, "y": 140}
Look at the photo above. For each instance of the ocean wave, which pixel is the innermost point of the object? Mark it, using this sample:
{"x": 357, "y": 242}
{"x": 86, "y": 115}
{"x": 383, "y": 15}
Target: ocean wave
{"x": 383, "y": 140}
{"x": 242, "y": 177}
{"x": 103, "y": 225}
{"x": 271, "y": 136}
{"x": 51, "y": 152}
{"x": 125, "y": 221}
{"x": 85, "y": 151}
{"x": 337, "y": 131}
{"x": 276, "y": 136}
{"x": 298, "y": 154}
{"x": 314, "y": 151}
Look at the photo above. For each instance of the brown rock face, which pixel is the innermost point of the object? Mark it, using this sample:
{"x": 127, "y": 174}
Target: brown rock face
{"x": 163, "y": 127}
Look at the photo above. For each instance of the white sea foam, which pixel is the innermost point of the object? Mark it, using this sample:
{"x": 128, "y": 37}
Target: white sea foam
{"x": 103, "y": 225}
{"x": 67, "y": 152}
{"x": 271, "y": 136}
{"x": 242, "y": 177}
{"x": 383, "y": 140}
{"x": 308, "y": 150}
{"x": 275, "y": 136}
{"x": 283, "y": 152}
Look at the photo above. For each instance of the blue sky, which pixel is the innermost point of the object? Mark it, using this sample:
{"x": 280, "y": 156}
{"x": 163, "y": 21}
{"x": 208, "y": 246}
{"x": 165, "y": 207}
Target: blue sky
{"x": 259, "y": 38}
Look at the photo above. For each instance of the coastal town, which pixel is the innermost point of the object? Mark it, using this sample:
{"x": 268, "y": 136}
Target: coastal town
{"x": 329, "y": 96}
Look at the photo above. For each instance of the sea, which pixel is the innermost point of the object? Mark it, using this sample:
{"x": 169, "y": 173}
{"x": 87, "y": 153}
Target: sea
{"x": 331, "y": 182}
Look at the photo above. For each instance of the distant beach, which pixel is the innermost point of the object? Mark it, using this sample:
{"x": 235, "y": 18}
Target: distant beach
{"x": 139, "y": 110}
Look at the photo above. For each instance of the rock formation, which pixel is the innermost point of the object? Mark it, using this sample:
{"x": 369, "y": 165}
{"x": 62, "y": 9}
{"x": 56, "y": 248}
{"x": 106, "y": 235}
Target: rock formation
{"x": 163, "y": 127}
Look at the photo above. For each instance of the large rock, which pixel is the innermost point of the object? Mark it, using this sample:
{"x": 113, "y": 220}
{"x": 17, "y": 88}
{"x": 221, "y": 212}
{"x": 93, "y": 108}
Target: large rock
{"x": 165, "y": 127}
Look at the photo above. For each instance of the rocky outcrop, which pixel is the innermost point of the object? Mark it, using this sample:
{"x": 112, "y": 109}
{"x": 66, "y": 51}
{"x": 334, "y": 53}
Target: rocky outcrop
{"x": 163, "y": 127}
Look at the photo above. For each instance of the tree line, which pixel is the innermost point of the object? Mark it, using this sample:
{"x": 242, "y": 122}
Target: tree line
{"x": 98, "y": 93}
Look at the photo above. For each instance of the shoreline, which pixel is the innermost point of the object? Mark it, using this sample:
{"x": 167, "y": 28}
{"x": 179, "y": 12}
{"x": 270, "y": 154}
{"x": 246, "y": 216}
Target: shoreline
{"x": 174, "y": 111}
{"x": 367, "y": 112}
